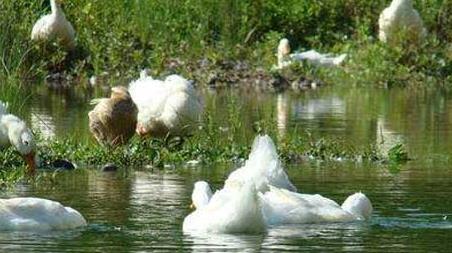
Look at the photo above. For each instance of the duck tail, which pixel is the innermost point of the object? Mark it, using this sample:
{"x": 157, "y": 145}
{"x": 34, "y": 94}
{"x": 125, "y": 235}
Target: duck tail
{"x": 339, "y": 59}
{"x": 358, "y": 205}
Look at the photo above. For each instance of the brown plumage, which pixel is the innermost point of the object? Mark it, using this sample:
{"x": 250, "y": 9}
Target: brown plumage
{"x": 113, "y": 120}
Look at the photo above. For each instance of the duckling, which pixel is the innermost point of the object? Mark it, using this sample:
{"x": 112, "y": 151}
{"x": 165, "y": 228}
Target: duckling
{"x": 113, "y": 120}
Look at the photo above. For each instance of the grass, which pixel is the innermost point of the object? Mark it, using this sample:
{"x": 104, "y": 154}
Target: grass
{"x": 122, "y": 37}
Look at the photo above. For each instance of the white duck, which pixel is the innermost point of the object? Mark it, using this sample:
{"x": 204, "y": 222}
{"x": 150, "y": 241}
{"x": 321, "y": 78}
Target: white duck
{"x": 230, "y": 210}
{"x": 263, "y": 168}
{"x": 285, "y": 58}
{"x": 280, "y": 206}
{"x": 165, "y": 107}
{"x": 31, "y": 214}
{"x": 54, "y": 26}
{"x": 398, "y": 16}
{"x": 13, "y": 131}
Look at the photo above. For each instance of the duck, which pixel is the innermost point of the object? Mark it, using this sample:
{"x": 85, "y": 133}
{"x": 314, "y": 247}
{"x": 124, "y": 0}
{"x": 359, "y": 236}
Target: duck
{"x": 165, "y": 107}
{"x": 229, "y": 210}
{"x": 398, "y": 16}
{"x": 262, "y": 167}
{"x": 281, "y": 206}
{"x": 14, "y": 132}
{"x": 54, "y": 26}
{"x": 312, "y": 56}
{"x": 113, "y": 120}
{"x": 37, "y": 214}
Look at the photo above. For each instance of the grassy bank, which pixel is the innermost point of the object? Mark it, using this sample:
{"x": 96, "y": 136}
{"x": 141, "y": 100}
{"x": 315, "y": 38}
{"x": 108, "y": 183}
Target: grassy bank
{"x": 122, "y": 37}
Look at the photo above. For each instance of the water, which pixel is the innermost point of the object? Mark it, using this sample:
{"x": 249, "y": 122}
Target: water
{"x": 136, "y": 211}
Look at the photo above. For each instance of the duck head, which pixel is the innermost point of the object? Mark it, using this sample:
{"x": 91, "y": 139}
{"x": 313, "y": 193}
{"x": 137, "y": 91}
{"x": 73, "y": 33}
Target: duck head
{"x": 358, "y": 205}
{"x": 120, "y": 92}
{"x": 201, "y": 194}
{"x": 22, "y": 140}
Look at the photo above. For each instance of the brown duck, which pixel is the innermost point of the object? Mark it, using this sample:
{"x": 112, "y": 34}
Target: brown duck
{"x": 113, "y": 120}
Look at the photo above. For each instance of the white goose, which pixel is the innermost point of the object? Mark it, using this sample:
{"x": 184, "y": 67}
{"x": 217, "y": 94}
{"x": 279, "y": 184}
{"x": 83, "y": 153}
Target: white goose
{"x": 285, "y": 58}
{"x": 54, "y": 26}
{"x": 230, "y": 210}
{"x": 398, "y": 16}
{"x": 281, "y": 206}
{"x": 165, "y": 107}
{"x": 31, "y": 214}
{"x": 13, "y": 131}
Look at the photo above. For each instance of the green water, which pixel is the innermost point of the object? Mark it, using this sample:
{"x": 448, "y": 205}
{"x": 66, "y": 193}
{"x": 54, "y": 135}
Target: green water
{"x": 143, "y": 210}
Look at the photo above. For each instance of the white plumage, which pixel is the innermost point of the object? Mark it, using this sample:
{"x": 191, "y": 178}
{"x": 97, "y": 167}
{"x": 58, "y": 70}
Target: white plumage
{"x": 250, "y": 202}
{"x": 25, "y": 214}
{"x": 168, "y": 106}
{"x": 14, "y": 132}
{"x": 230, "y": 210}
{"x": 281, "y": 206}
{"x": 54, "y": 26}
{"x": 399, "y": 16}
{"x": 325, "y": 60}
{"x": 263, "y": 167}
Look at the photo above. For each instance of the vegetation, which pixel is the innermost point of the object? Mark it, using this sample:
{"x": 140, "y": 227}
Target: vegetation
{"x": 118, "y": 38}
{"x": 122, "y": 37}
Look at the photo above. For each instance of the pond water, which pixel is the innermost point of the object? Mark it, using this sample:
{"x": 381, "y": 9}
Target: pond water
{"x": 143, "y": 210}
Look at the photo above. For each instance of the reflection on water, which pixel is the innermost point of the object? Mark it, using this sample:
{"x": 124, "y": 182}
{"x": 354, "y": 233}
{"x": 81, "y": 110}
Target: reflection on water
{"x": 386, "y": 138}
{"x": 282, "y": 113}
{"x": 421, "y": 120}
{"x": 138, "y": 211}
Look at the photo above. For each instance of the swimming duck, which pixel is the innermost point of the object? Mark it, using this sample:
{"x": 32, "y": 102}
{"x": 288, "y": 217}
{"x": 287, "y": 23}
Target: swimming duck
{"x": 325, "y": 60}
{"x": 230, "y": 210}
{"x": 113, "y": 120}
{"x": 281, "y": 206}
{"x": 54, "y": 26}
{"x": 14, "y": 132}
{"x": 263, "y": 167}
{"x": 398, "y": 16}
{"x": 30, "y": 214}
{"x": 165, "y": 107}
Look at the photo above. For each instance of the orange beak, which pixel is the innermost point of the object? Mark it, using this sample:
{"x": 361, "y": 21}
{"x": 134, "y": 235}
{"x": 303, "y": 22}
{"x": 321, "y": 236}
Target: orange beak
{"x": 30, "y": 160}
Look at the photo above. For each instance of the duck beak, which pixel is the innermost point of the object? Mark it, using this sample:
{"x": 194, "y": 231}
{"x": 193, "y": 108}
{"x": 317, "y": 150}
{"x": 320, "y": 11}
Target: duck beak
{"x": 192, "y": 206}
{"x": 141, "y": 131}
{"x": 30, "y": 160}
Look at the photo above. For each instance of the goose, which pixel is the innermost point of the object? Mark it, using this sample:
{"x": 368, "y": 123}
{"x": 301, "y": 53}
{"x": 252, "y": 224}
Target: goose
{"x": 36, "y": 214}
{"x": 263, "y": 167}
{"x": 169, "y": 106}
{"x": 14, "y": 132}
{"x": 230, "y": 210}
{"x": 54, "y": 26}
{"x": 280, "y": 206}
{"x": 325, "y": 60}
{"x": 398, "y": 16}
{"x": 113, "y": 120}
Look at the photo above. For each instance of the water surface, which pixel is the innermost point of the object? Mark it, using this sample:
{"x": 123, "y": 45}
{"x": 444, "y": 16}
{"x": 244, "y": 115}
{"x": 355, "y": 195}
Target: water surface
{"x": 141, "y": 210}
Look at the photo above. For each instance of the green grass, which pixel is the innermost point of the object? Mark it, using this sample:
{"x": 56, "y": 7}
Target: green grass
{"x": 122, "y": 37}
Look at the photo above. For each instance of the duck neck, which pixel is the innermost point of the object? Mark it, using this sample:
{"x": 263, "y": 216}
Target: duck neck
{"x": 398, "y": 3}
{"x": 56, "y": 9}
